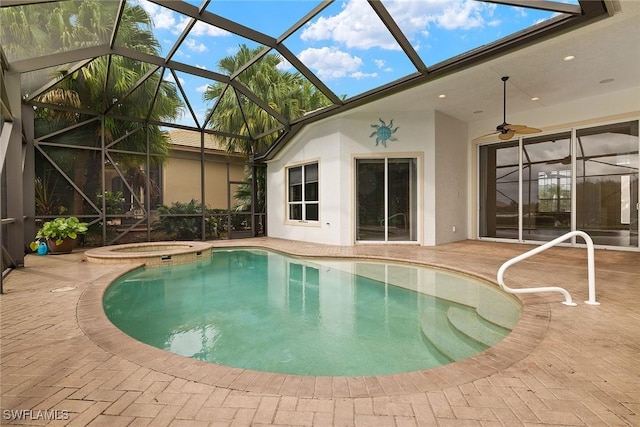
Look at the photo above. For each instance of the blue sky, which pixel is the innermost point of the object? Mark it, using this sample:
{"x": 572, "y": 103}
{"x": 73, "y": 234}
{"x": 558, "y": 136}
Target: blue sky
{"x": 346, "y": 45}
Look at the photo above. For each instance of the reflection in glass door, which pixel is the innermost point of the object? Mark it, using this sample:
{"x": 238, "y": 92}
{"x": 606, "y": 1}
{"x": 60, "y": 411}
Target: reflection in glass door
{"x": 544, "y": 186}
{"x": 607, "y": 183}
{"x": 386, "y": 208}
{"x": 499, "y": 190}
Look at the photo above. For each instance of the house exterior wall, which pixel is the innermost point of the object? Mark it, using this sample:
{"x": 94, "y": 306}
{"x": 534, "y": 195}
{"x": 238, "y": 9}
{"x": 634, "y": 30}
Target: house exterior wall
{"x": 451, "y": 177}
{"x": 336, "y": 143}
{"x": 447, "y": 156}
{"x": 315, "y": 143}
{"x": 181, "y": 179}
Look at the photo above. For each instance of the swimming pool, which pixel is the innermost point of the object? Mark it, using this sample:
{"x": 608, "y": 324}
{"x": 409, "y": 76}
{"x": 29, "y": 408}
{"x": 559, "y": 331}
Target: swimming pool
{"x": 262, "y": 310}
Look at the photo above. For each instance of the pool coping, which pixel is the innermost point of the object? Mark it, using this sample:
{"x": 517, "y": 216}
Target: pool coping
{"x": 93, "y": 321}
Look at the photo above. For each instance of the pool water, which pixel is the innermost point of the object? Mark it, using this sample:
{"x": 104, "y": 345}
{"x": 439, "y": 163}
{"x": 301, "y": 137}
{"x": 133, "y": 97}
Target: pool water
{"x": 265, "y": 311}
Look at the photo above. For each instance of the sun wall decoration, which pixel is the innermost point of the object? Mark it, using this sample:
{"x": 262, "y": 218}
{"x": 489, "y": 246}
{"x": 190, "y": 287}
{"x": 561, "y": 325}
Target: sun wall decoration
{"x": 383, "y": 133}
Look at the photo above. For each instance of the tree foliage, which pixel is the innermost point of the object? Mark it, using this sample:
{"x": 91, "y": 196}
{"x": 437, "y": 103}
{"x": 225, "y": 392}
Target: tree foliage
{"x": 288, "y": 93}
{"x": 110, "y": 84}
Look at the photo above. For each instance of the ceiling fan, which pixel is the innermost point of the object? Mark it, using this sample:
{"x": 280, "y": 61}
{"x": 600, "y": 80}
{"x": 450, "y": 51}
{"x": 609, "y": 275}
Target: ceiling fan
{"x": 506, "y": 131}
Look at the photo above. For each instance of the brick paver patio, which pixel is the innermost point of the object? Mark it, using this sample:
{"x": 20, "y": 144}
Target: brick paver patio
{"x": 63, "y": 363}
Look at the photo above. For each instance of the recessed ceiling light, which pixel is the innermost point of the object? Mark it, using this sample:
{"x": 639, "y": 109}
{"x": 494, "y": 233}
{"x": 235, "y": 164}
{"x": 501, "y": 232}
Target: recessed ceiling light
{"x": 606, "y": 80}
{"x": 442, "y": 96}
{"x": 535, "y": 98}
{"x": 569, "y": 58}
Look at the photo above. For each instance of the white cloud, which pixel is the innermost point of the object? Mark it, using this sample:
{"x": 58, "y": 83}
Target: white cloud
{"x": 464, "y": 15}
{"x": 541, "y": 20}
{"x": 284, "y": 65}
{"x": 356, "y": 26}
{"x": 202, "y": 88}
{"x": 204, "y": 29}
{"x": 382, "y": 65}
{"x": 520, "y": 11}
{"x": 180, "y": 26}
{"x": 195, "y": 46}
{"x": 202, "y": 67}
{"x": 330, "y": 63}
{"x": 359, "y": 75}
{"x": 415, "y": 17}
{"x": 162, "y": 18}
{"x": 182, "y": 54}
{"x": 166, "y": 19}
{"x": 169, "y": 78}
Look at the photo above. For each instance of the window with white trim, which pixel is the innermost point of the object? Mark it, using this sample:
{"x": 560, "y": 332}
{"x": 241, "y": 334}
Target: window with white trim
{"x": 302, "y": 199}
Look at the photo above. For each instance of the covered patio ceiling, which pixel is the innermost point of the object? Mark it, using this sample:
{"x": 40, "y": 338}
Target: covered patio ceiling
{"x": 333, "y": 45}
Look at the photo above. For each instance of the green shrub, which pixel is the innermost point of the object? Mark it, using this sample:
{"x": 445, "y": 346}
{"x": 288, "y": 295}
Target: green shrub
{"x": 182, "y": 221}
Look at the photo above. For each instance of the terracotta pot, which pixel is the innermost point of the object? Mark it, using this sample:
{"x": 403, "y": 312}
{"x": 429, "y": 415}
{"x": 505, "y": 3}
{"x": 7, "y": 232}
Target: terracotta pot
{"x": 65, "y": 247}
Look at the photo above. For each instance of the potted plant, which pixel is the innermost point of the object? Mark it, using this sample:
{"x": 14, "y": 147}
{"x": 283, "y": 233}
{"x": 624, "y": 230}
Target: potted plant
{"x": 60, "y": 234}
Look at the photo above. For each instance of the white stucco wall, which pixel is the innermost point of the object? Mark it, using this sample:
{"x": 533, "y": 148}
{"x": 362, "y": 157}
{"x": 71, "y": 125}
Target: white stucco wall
{"x": 415, "y": 138}
{"x": 450, "y": 179}
{"x": 336, "y": 142}
{"x": 319, "y": 143}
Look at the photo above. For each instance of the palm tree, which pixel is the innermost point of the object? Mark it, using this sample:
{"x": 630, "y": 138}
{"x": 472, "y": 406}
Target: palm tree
{"x": 290, "y": 94}
{"x": 61, "y": 26}
{"x": 45, "y": 28}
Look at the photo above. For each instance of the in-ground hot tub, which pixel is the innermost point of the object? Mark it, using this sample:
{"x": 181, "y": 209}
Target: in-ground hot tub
{"x": 151, "y": 253}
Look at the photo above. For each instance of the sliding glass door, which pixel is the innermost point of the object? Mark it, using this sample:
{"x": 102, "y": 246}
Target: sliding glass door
{"x": 546, "y": 187}
{"x": 607, "y": 183}
{"x": 386, "y": 191}
{"x": 499, "y": 190}
{"x": 542, "y": 187}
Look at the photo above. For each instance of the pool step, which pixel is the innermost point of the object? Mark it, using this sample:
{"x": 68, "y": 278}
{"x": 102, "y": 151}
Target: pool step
{"x": 437, "y": 329}
{"x": 471, "y": 324}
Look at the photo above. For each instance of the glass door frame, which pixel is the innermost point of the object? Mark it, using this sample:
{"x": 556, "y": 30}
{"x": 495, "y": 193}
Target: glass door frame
{"x": 413, "y": 217}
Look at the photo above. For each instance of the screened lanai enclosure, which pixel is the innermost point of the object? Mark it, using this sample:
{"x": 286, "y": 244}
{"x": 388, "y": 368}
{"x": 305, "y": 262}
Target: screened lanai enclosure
{"x": 153, "y": 119}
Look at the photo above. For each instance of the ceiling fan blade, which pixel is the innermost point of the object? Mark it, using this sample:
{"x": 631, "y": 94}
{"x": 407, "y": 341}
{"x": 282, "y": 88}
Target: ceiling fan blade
{"x": 477, "y": 138}
{"x": 527, "y": 130}
{"x": 506, "y": 136}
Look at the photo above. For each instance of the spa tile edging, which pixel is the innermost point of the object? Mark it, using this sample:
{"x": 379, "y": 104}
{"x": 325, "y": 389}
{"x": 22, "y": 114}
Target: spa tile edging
{"x": 173, "y": 253}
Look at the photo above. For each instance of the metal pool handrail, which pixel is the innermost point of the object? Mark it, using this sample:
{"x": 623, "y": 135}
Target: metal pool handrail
{"x": 568, "y": 301}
